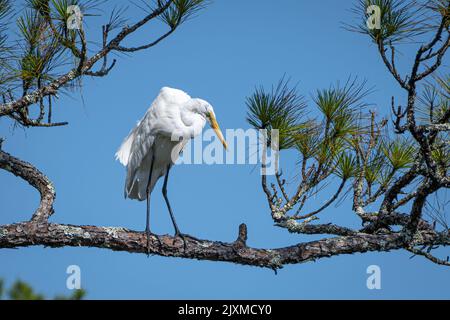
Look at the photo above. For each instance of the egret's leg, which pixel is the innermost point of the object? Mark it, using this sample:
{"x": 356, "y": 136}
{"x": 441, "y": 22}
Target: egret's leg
{"x": 147, "y": 226}
{"x": 164, "y": 191}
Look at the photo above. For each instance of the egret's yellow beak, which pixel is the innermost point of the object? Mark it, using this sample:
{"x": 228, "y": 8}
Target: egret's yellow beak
{"x": 216, "y": 129}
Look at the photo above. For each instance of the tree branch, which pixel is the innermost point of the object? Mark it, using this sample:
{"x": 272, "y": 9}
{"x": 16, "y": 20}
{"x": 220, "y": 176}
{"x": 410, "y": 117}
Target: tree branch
{"x": 429, "y": 256}
{"x": 391, "y": 65}
{"x": 36, "y": 179}
{"x": 325, "y": 205}
{"x": 53, "y": 87}
{"x": 121, "y": 239}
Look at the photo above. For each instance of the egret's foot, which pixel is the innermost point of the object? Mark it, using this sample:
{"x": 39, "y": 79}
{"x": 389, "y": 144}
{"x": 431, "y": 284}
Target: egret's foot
{"x": 149, "y": 235}
{"x": 183, "y": 237}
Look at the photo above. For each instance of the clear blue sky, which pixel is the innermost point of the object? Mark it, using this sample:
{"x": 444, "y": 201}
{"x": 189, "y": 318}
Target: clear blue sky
{"x": 220, "y": 56}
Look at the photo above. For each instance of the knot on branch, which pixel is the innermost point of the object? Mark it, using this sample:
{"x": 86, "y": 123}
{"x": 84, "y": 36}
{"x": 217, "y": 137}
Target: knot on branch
{"x": 241, "y": 240}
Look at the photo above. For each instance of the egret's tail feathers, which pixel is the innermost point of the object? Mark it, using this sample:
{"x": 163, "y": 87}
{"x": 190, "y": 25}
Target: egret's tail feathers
{"x": 132, "y": 190}
{"x": 136, "y": 182}
{"x": 133, "y": 184}
{"x": 124, "y": 152}
{"x": 137, "y": 188}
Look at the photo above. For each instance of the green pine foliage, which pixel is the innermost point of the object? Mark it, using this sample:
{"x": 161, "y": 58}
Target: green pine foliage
{"x": 399, "y": 20}
{"x": 180, "y": 11}
{"x": 21, "y": 290}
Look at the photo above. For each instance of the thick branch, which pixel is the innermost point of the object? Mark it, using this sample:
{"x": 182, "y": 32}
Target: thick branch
{"x": 120, "y": 239}
{"x": 36, "y": 179}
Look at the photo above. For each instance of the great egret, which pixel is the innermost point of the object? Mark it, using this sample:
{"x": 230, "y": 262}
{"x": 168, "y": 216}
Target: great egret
{"x": 153, "y": 146}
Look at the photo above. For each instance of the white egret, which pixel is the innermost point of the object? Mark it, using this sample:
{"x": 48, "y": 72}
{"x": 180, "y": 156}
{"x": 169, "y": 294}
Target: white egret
{"x": 153, "y": 146}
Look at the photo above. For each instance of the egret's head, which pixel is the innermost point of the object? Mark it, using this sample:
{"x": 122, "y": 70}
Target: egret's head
{"x": 207, "y": 111}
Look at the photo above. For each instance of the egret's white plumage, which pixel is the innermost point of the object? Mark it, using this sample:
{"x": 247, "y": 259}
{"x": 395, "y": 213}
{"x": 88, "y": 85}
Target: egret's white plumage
{"x": 172, "y": 115}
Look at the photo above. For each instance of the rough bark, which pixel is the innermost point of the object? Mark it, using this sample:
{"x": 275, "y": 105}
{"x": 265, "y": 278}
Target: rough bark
{"x": 120, "y": 239}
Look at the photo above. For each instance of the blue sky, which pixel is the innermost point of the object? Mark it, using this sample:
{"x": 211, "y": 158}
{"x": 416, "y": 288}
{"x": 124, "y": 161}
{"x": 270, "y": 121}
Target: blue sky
{"x": 220, "y": 56}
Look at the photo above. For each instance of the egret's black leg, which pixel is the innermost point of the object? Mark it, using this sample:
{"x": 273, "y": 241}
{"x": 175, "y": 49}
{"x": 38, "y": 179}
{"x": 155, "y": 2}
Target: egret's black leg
{"x": 147, "y": 226}
{"x": 164, "y": 191}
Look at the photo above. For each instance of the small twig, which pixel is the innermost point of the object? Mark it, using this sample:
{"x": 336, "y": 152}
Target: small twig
{"x": 429, "y": 256}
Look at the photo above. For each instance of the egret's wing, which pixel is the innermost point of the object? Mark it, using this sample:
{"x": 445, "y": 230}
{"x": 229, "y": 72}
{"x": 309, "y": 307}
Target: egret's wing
{"x": 162, "y": 118}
